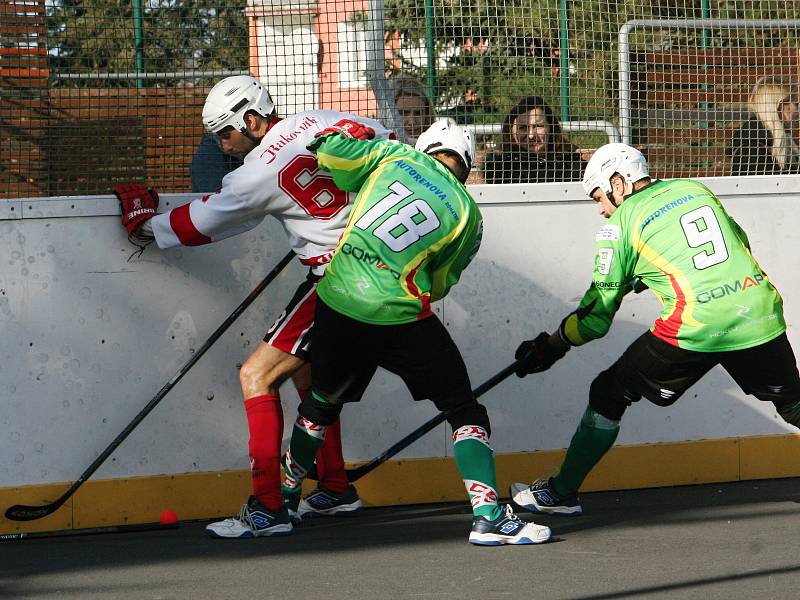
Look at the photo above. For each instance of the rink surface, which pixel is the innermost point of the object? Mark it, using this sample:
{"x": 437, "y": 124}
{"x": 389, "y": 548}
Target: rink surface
{"x": 726, "y": 541}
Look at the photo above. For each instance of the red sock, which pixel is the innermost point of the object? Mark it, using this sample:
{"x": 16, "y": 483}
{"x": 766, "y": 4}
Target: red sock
{"x": 330, "y": 461}
{"x": 265, "y": 421}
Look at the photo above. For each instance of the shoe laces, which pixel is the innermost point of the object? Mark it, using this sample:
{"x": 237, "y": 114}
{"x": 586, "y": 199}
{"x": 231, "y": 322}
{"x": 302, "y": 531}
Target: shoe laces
{"x": 539, "y": 484}
{"x": 509, "y": 514}
{"x": 244, "y": 516}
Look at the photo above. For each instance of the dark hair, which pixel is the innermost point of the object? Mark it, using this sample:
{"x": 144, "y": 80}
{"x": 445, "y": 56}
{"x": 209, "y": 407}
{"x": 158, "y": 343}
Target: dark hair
{"x": 557, "y": 141}
{"x": 405, "y": 85}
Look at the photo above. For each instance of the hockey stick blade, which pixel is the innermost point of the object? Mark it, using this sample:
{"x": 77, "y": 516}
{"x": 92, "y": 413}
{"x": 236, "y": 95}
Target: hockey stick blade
{"x": 21, "y": 512}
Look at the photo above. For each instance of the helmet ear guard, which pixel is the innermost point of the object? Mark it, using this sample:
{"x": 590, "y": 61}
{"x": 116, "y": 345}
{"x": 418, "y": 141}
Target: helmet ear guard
{"x": 610, "y": 159}
{"x": 445, "y": 135}
{"x": 229, "y": 100}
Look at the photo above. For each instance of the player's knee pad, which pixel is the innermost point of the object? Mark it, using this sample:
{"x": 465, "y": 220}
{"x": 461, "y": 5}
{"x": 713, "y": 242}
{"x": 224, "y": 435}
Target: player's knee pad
{"x": 318, "y": 411}
{"x": 608, "y": 397}
{"x": 593, "y": 419}
{"x": 464, "y": 411}
{"x": 790, "y": 411}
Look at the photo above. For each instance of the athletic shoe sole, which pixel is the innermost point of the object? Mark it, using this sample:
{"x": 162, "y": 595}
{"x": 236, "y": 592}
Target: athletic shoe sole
{"x": 491, "y": 539}
{"x": 276, "y": 531}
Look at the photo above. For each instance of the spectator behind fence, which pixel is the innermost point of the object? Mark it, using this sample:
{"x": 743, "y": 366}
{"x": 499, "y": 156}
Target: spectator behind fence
{"x": 413, "y": 104}
{"x": 766, "y": 143}
{"x": 210, "y": 164}
{"x": 533, "y": 148}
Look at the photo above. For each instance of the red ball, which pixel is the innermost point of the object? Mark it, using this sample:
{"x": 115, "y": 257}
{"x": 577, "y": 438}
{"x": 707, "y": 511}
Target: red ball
{"x": 168, "y": 517}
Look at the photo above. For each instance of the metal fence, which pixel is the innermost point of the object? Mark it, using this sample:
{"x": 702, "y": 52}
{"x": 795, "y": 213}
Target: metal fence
{"x": 94, "y": 92}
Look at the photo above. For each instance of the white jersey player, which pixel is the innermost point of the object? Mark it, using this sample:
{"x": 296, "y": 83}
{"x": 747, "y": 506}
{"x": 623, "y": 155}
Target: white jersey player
{"x": 279, "y": 177}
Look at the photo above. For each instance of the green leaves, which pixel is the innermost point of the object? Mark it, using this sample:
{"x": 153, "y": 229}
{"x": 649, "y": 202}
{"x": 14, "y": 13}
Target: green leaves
{"x": 178, "y": 36}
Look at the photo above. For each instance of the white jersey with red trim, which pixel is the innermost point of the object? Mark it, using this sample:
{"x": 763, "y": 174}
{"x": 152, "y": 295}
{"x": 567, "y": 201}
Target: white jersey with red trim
{"x": 279, "y": 177}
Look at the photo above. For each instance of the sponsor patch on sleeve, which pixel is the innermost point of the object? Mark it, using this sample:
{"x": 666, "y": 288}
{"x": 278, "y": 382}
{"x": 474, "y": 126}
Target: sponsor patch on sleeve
{"x": 608, "y": 232}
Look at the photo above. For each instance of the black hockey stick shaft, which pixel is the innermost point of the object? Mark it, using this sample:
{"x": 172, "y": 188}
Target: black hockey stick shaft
{"x": 35, "y": 535}
{"x": 359, "y": 472}
{"x": 21, "y": 512}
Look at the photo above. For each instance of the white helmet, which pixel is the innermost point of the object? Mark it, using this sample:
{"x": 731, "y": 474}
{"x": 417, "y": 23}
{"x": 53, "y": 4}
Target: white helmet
{"x": 445, "y": 135}
{"x": 614, "y": 158}
{"x": 227, "y": 102}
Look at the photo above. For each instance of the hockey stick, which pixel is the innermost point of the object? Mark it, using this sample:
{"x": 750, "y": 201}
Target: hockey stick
{"x": 359, "y": 472}
{"x": 10, "y": 537}
{"x": 21, "y": 512}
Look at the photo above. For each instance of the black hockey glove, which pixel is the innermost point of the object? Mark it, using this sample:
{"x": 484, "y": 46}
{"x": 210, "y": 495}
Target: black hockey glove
{"x": 537, "y": 355}
{"x": 639, "y": 286}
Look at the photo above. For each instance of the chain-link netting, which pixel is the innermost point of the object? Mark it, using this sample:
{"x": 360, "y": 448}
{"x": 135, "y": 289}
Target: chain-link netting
{"x": 94, "y": 92}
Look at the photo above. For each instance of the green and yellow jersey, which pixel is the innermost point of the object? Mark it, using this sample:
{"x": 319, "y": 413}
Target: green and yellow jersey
{"x": 676, "y": 237}
{"x": 411, "y": 232}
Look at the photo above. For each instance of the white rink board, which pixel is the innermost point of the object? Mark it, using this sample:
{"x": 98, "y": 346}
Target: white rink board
{"x": 89, "y": 338}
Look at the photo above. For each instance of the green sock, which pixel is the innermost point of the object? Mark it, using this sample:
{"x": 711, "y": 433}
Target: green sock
{"x": 475, "y": 462}
{"x": 306, "y": 440}
{"x": 594, "y": 437}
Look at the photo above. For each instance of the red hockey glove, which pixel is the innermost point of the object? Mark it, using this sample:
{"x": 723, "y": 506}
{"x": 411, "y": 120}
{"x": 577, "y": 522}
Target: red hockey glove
{"x": 347, "y": 128}
{"x": 138, "y": 204}
{"x": 351, "y": 129}
{"x": 537, "y": 355}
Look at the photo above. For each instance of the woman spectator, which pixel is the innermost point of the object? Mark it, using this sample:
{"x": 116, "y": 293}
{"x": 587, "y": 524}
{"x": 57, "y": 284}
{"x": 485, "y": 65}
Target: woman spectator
{"x": 533, "y": 148}
{"x": 766, "y": 143}
{"x": 413, "y": 104}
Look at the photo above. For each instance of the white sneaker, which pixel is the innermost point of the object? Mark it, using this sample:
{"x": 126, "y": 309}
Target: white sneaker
{"x": 254, "y": 520}
{"x": 541, "y": 497}
{"x": 508, "y": 528}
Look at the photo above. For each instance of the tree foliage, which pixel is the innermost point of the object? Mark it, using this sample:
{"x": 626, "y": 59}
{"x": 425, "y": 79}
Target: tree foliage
{"x": 86, "y": 36}
{"x": 498, "y": 50}
{"x": 509, "y": 68}
{"x": 482, "y": 46}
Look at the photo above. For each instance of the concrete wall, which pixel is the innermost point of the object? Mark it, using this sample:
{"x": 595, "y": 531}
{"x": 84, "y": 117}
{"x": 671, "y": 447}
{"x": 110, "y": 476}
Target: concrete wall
{"x": 89, "y": 336}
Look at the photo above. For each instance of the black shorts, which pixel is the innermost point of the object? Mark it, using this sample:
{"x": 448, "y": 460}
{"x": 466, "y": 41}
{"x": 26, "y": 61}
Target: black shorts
{"x": 346, "y": 353}
{"x": 661, "y": 372}
{"x": 291, "y": 331}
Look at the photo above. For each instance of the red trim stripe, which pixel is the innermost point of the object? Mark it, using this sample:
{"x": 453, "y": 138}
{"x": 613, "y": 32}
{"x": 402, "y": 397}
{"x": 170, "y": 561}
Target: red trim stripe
{"x": 322, "y": 259}
{"x": 425, "y": 300}
{"x": 426, "y": 308}
{"x": 181, "y": 222}
{"x": 296, "y": 324}
{"x": 668, "y": 330}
